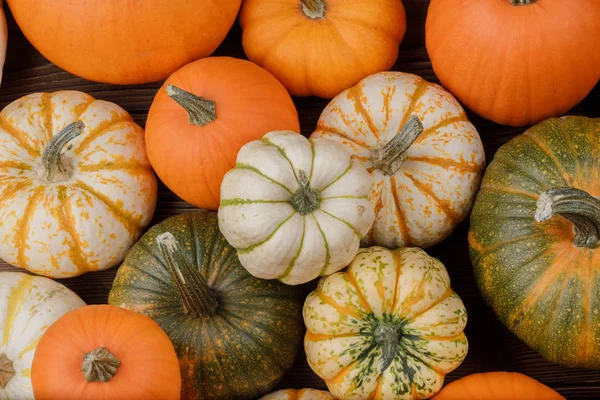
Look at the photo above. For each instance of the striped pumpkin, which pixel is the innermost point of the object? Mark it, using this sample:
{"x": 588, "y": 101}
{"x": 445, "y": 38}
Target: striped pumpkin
{"x": 76, "y": 188}
{"x": 535, "y": 239}
{"x": 425, "y": 157}
{"x": 389, "y": 327}
{"x": 28, "y": 306}
{"x": 299, "y": 394}
{"x": 295, "y": 209}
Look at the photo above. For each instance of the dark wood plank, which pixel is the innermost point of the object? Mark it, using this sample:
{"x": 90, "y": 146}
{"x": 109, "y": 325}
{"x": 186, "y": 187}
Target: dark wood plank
{"x": 492, "y": 346}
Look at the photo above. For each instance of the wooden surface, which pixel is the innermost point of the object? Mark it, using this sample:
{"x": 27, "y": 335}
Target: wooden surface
{"x": 492, "y": 347}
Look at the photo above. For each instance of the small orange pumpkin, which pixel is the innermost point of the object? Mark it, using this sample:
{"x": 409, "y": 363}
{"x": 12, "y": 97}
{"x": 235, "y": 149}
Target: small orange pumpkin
{"x": 497, "y": 386}
{"x": 105, "y": 353}
{"x": 322, "y": 47}
{"x": 203, "y": 115}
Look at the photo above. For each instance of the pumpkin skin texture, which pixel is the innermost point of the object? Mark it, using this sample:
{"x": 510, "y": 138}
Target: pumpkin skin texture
{"x": 389, "y": 327}
{"x": 191, "y": 158}
{"x": 497, "y": 386}
{"x": 294, "y": 208}
{"x": 533, "y": 268}
{"x": 235, "y": 335}
{"x": 3, "y": 40}
{"x": 420, "y": 189}
{"x": 127, "y": 42}
{"x": 322, "y": 47}
{"x": 515, "y": 64}
{"x": 77, "y": 187}
{"x": 302, "y": 394}
{"x": 105, "y": 352}
{"x": 28, "y": 305}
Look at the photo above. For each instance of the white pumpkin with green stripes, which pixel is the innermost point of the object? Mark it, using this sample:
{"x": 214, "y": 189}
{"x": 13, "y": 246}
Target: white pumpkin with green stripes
{"x": 294, "y": 208}
{"x": 28, "y": 306}
{"x": 387, "y": 328}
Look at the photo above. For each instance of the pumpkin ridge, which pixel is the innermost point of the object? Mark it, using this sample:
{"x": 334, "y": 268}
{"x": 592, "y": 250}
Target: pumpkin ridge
{"x": 343, "y": 310}
{"x": 356, "y": 93}
{"x": 255, "y": 245}
{"x": 328, "y": 130}
{"x": 442, "y": 204}
{"x": 115, "y": 166}
{"x": 420, "y": 90}
{"x": 501, "y": 243}
{"x": 16, "y": 165}
{"x": 416, "y": 355}
{"x": 102, "y": 129}
{"x": 339, "y": 177}
{"x": 262, "y": 326}
{"x": 47, "y": 109}
{"x": 398, "y": 270}
{"x": 239, "y": 201}
{"x": 255, "y": 170}
{"x": 350, "y": 279}
{"x": 14, "y": 305}
{"x": 24, "y": 225}
{"x": 448, "y": 163}
{"x": 365, "y": 197}
{"x": 344, "y": 222}
{"x": 64, "y": 216}
{"x": 83, "y": 107}
{"x": 282, "y": 152}
{"x": 449, "y": 292}
{"x": 327, "y": 253}
{"x": 400, "y": 216}
{"x": 542, "y": 146}
{"x": 12, "y": 191}
{"x": 31, "y": 346}
{"x": 503, "y": 188}
{"x": 348, "y": 123}
{"x": 501, "y": 158}
{"x": 312, "y": 159}
{"x": 19, "y": 136}
{"x": 318, "y": 337}
{"x": 462, "y": 117}
{"x": 293, "y": 261}
{"x": 147, "y": 252}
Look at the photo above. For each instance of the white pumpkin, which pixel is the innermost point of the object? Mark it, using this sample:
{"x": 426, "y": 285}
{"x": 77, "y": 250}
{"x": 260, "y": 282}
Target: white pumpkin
{"x": 28, "y": 306}
{"x": 299, "y": 394}
{"x": 389, "y": 327}
{"x": 76, "y": 187}
{"x": 426, "y": 159}
{"x": 295, "y": 209}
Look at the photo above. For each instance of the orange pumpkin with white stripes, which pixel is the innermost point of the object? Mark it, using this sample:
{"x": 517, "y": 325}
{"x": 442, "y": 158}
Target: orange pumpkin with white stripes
{"x": 76, "y": 187}
{"x": 388, "y": 327}
{"x": 426, "y": 159}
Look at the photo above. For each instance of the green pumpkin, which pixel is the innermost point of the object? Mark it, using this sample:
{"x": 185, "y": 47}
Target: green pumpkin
{"x": 534, "y": 239}
{"x": 235, "y": 335}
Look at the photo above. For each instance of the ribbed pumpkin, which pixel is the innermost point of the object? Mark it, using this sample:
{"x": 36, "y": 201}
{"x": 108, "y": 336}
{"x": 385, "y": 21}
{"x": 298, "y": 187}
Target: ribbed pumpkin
{"x": 235, "y": 335}
{"x": 424, "y": 156}
{"x": 28, "y": 305}
{"x": 299, "y": 394}
{"x": 295, "y": 209}
{"x": 321, "y": 47}
{"x": 534, "y": 239}
{"x": 389, "y": 327}
{"x": 124, "y": 42}
{"x": 3, "y": 40}
{"x": 76, "y": 187}
{"x": 497, "y": 386}
{"x": 515, "y": 62}
{"x": 103, "y": 352}
{"x": 203, "y": 115}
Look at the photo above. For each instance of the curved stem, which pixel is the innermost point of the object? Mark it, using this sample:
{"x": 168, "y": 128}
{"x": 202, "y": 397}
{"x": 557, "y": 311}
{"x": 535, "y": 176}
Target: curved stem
{"x": 200, "y": 111}
{"x": 579, "y": 207}
{"x": 199, "y": 300}
{"x": 306, "y": 199}
{"x": 522, "y": 2}
{"x": 6, "y": 370}
{"x": 390, "y": 157}
{"x": 314, "y": 9}
{"x": 99, "y": 365}
{"x": 388, "y": 337}
{"x": 52, "y": 159}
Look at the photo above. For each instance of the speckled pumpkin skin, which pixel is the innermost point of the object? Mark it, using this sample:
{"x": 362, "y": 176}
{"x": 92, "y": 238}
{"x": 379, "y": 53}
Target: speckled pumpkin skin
{"x": 541, "y": 287}
{"x": 242, "y": 351}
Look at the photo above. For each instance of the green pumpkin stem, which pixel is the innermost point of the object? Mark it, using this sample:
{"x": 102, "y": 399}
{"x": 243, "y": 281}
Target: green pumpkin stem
{"x": 522, "y": 2}
{"x": 579, "y": 207}
{"x": 390, "y": 157}
{"x": 200, "y": 111}
{"x": 314, "y": 9}
{"x": 99, "y": 365}
{"x": 388, "y": 337}
{"x": 6, "y": 370}
{"x": 52, "y": 158}
{"x": 198, "y": 299}
{"x": 306, "y": 199}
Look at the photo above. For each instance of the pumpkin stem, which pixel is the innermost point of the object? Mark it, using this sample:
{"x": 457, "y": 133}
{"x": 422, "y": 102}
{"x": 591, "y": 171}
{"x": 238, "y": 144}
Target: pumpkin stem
{"x": 579, "y": 207}
{"x": 522, "y": 2}
{"x": 306, "y": 199}
{"x": 6, "y": 370}
{"x": 200, "y": 111}
{"x": 390, "y": 157}
{"x": 388, "y": 337}
{"x": 99, "y": 365}
{"x": 313, "y": 9}
{"x": 198, "y": 299}
{"x": 52, "y": 158}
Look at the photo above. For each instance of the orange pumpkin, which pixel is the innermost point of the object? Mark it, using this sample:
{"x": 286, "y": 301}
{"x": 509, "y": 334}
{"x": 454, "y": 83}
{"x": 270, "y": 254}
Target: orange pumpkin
{"x": 124, "y": 42}
{"x": 322, "y": 47}
{"x": 105, "y": 353}
{"x": 203, "y": 115}
{"x": 497, "y": 386}
{"x": 515, "y": 62}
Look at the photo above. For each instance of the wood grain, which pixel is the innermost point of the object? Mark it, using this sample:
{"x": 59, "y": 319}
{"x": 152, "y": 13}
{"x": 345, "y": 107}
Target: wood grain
{"x": 492, "y": 346}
